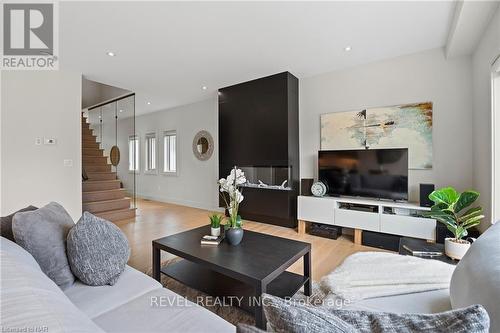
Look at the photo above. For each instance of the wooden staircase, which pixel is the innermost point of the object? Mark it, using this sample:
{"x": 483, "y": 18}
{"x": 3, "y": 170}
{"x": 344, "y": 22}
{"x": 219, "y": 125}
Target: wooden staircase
{"x": 102, "y": 194}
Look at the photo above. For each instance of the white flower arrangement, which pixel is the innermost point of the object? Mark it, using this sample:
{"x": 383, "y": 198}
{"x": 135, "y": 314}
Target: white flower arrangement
{"x": 230, "y": 185}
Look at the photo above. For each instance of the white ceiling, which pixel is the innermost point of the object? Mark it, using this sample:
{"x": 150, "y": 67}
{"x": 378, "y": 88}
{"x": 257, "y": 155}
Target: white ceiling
{"x": 469, "y": 23}
{"x": 166, "y": 51}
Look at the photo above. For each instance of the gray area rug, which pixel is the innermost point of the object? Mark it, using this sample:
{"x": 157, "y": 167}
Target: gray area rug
{"x": 232, "y": 314}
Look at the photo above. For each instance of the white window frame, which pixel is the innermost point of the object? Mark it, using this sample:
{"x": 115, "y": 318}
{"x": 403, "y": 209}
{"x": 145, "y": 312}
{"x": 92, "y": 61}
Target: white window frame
{"x": 166, "y": 133}
{"x": 147, "y": 167}
{"x": 137, "y": 159}
{"x": 495, "y": 108}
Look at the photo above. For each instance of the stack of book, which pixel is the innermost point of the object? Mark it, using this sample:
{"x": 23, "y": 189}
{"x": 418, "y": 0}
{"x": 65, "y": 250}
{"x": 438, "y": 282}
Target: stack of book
{"x": 423, "y": 251}
{"x": 211, "y": 240}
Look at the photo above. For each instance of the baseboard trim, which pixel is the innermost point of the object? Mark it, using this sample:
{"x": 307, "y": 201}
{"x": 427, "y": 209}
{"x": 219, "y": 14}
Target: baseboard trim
{"x": 187, "y": 203}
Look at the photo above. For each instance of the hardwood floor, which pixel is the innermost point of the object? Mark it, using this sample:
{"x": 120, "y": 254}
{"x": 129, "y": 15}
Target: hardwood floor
{"x": 156, "y": 219}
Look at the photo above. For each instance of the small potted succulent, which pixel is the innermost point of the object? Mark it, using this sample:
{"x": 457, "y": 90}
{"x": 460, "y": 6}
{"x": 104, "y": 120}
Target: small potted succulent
{"x": 230, "y": 192}
{"x": 215, "y": 222}
{"x": 448, "y": 209}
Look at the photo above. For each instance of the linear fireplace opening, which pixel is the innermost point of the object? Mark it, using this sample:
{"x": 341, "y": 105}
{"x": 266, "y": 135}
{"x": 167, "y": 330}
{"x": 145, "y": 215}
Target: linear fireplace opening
{"x": 268, "y": 177}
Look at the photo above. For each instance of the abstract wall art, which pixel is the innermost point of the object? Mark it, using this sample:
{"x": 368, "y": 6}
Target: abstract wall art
{"x": 401, "y": 126}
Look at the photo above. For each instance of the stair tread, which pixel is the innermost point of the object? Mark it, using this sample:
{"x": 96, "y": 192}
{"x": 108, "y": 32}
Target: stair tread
{"x": 116, "y": 210}
{"x": 88, "y": 162}
{"x": 101, "y": 172}
{"x": 100, "y": 191}
{"x": 93, "y": 167}
{"x": 104, "y": 180}
{"x": 106, "y": 201}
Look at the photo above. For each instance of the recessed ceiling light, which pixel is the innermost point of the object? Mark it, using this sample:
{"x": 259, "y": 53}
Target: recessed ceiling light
{"x": 148, "y": 103}
{"x": 111, "y": 54}
{"x": 347, "y": 48}
{"x": 204, "y": 88}
{"x": 121, "y": 110}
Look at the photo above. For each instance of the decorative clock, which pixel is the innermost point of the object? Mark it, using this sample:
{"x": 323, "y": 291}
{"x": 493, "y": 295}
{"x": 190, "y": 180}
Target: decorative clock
{"x": 318, "y": 189}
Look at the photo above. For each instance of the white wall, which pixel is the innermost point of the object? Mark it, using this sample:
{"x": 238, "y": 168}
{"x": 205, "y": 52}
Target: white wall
{"x": 495, "y": 209}
{"x": 421, "y": 77}
{"x": 195, "y": 184}
{"x": 487, "y": 50}
{"x": 426, "y": 76}
{"x": 40, "y": 104}
{"x": 95, "y": 92}
{"x": 91, "y": 93}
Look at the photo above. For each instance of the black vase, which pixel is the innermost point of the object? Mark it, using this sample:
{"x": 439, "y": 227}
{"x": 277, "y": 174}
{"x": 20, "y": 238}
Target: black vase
{"x": 234, "y": 235}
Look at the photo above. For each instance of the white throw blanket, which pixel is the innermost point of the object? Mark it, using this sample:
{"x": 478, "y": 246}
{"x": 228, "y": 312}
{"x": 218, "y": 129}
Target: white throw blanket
{"x": 375, "y": 274}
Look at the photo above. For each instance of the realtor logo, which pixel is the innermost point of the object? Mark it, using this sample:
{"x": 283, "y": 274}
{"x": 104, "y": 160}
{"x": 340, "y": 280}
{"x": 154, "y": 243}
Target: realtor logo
{"x": 29, "y": 36}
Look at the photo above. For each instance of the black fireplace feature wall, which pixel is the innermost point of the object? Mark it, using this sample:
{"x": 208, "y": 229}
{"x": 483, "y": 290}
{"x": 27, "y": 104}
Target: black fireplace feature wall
{"x": 259, "y": 132}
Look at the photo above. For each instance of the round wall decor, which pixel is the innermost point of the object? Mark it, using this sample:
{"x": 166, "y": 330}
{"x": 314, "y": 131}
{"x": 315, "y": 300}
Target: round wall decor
{"x": 114, "y": 155}
{"x": 203, "y": 145}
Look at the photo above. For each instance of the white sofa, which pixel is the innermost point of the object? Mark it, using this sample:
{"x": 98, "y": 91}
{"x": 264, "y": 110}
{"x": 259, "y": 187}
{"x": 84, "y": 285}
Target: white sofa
{"x": 476, "y": 280}
{"x": 136, "y": 303}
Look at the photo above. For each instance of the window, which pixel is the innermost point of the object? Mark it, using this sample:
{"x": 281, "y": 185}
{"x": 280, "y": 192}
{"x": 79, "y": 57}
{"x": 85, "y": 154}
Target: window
{"x": 495, "y": 131}
{"x": 169, "y": 152}
{"x": 133, "y": 153}
{"x": 151, "y": 152}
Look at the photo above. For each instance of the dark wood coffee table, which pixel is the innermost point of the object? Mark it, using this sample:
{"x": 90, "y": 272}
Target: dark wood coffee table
{"x": 257, "y": 265}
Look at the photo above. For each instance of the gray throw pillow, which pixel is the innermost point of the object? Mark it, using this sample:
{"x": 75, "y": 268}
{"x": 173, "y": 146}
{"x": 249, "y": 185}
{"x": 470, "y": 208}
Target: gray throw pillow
{"x": 97, "y": 250}
{"x": 6, "y": 223}
{"x": 42, "y": 233}
{"x": 289, "y": 316}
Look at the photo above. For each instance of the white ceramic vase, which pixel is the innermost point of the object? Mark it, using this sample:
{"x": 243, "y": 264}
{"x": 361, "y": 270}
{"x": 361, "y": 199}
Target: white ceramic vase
{"x": 215, "y": 232}
{"x": 454, "y": 249}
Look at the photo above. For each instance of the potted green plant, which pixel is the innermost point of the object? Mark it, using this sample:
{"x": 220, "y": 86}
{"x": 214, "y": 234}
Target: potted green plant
{"x": 449, "y": 209}
{"x": 215, "y": 221}
{"x": 230, "y": 192}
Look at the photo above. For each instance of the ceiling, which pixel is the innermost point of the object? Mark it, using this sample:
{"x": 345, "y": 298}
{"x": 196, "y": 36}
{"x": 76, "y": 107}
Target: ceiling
{"x": 167, "y": 51}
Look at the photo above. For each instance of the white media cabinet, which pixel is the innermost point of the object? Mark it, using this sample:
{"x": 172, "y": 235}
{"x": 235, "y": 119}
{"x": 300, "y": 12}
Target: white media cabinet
{"x": 381, "y": 216}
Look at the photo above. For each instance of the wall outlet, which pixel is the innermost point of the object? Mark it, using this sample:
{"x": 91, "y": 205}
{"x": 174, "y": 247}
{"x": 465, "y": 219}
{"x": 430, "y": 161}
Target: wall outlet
{"x": 68, "y": 163}
{"x": 50, "y": 141}
{"x": 38, "y": 141}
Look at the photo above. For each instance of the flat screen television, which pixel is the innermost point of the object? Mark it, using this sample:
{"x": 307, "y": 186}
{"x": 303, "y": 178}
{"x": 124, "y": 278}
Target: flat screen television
{"x": 373, "y": 173}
